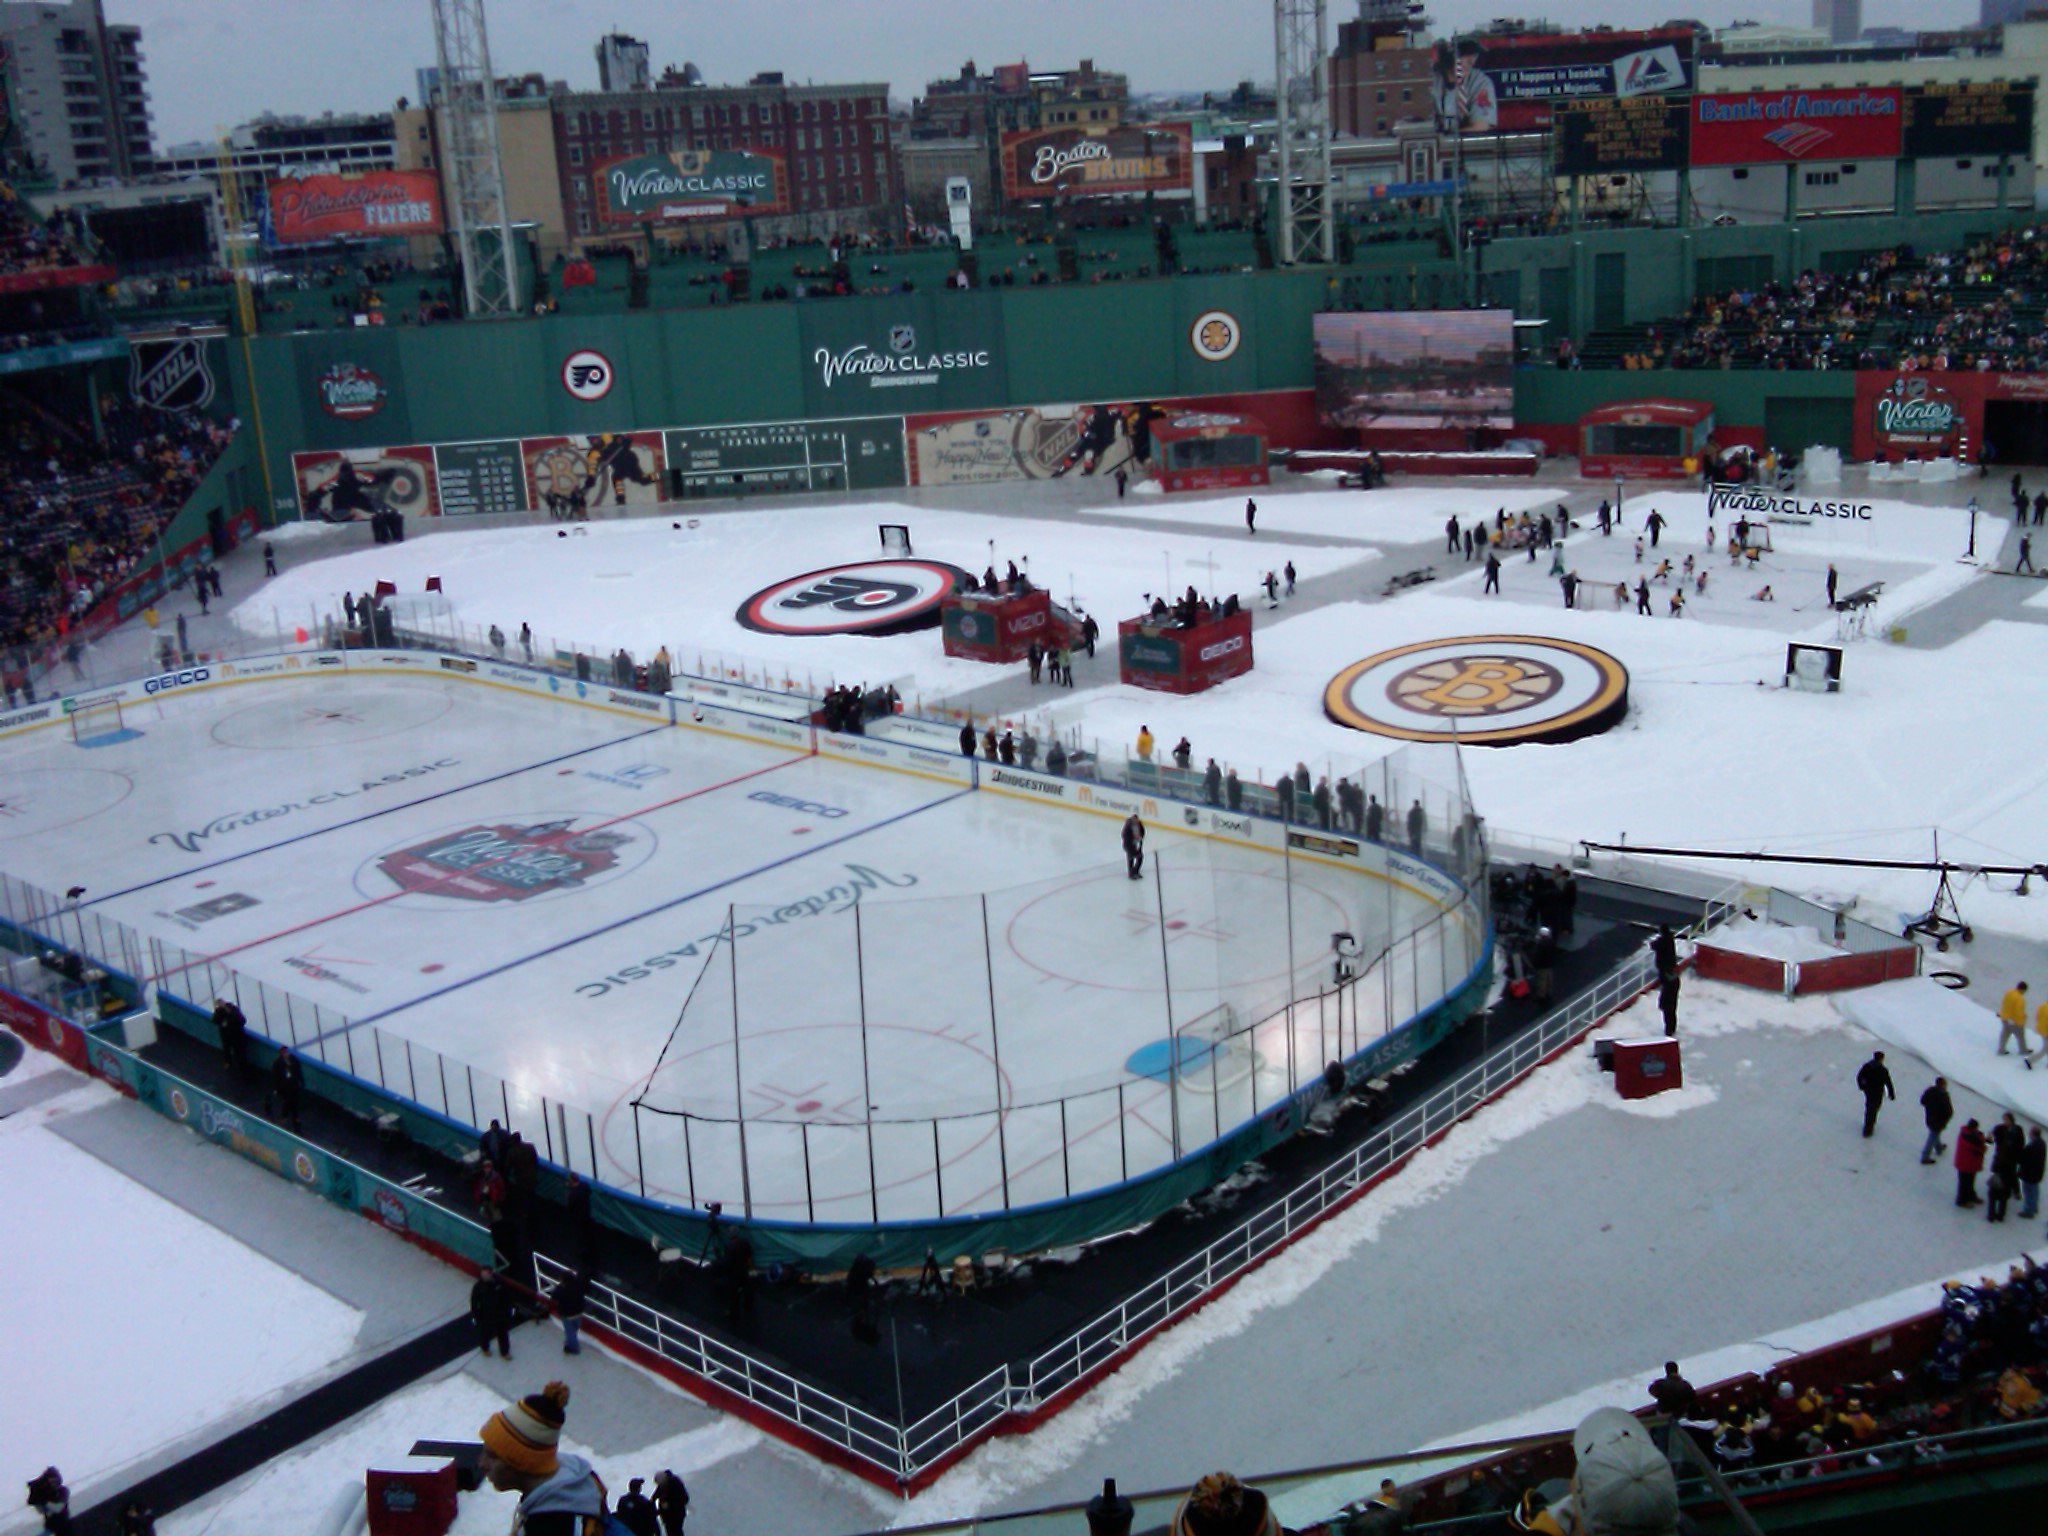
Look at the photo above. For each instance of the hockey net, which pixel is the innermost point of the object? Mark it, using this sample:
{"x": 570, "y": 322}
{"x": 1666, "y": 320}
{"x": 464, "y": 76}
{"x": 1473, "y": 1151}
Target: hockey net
{"x": 1213, "y": 1052}
{"x": 896, "y": 539}
{"x": 92, "y": 721}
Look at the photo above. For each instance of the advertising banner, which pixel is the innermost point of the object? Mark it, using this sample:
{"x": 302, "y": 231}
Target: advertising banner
{"x": 351, "y": 389}
{"x": 907, "y": 352}
{"x": 690, "y": 184}
{"x": 1080, "y": 161}
{"x": 358, "y": 205}
{"x": 346, "y": 485}
{"x": 1627, "y": 134}
{"x": 1909, "y": 415}
{"x": 1030, "y": 442}
{"x": 1760, "y": 127}
{"x": 1990, "y": 117}
{"x": 570, "y": 475}
{"x": 1514, "y": 82}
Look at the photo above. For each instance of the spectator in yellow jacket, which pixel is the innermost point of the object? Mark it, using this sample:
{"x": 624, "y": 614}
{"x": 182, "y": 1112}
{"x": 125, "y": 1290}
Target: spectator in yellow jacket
{"x": 2012, "y": 1018}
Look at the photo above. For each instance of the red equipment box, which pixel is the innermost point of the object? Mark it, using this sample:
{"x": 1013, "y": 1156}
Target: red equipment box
{"x": 410, "y": 1503}
{"x": 1644, "y": 1067}
{"x": 1172, "y": 658}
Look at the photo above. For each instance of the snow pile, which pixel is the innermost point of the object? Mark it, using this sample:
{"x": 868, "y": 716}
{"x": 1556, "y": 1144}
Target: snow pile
{"x": 1956, "y": 1037}
{"x": 88, "y": 1289}
{"x": 1745, "y": 935}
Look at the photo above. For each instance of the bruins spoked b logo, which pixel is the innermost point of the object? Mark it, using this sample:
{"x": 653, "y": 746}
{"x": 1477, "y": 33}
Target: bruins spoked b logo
{"x": 1488, "y": 690}
{"x": 871, "y": 597}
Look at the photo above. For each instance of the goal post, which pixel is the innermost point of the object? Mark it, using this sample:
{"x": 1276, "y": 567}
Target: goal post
{"x": 1211, "y": 1052}
{"x": 896, "y": 540}
{"x": 89, "y": 722}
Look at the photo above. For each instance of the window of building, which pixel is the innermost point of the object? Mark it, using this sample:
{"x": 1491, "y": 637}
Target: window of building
{"x": 582, "y": 221}
{"x": 647, "y": 120}
{"x": 1379, "y": 98}
{"x": 839, "y": 166}
{"x": 881, "y": 166}
{"x": 1848, "y": 170}
{"x": 1407, "y": 93}
{"x": 575, "y": 154}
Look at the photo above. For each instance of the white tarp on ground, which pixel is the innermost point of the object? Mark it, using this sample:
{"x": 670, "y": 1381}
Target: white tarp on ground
{"x": 1953, "y": 1035}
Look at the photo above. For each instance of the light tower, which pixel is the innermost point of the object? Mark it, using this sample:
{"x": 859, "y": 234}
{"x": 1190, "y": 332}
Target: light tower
{"x": 470, "y": 164}
{"x": 1308, "y": 229}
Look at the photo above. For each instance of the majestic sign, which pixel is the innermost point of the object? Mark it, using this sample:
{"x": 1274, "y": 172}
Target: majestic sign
{"x": 1485, "y": 690}
{"x": 690, "y": 184}
{"x": 168, "y": 370}
{"x": 1514, "y": 82}
{"x": 1130, "y": 157}
{"x": 362, "y": 204}
{"x": 872, "y": 597}
{"x": 1760, "y": 127}
{"x": 350, "y": 391}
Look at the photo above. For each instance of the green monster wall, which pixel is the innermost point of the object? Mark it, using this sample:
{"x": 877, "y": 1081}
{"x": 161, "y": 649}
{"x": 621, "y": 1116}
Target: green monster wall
{"x": 1039, "y": 345}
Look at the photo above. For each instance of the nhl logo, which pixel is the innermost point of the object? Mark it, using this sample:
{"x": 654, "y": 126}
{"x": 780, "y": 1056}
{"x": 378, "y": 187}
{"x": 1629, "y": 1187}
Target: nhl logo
{"x": 169, "y": 372}
{"x": 902, "y": 339}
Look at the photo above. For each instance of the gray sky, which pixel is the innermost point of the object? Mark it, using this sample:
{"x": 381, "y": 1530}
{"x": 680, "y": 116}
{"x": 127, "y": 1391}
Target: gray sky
{"x": 213, "y": 63}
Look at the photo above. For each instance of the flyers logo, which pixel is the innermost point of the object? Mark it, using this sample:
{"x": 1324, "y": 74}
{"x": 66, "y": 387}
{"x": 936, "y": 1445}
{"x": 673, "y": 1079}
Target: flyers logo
{"x": 851, "y": 594}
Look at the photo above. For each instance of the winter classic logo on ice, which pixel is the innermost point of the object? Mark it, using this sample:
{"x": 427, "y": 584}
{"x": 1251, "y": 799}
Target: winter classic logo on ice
{"x": 514, "y": 861}
{"x": 587, "y": 374}
{"x": 1489, "y": 690}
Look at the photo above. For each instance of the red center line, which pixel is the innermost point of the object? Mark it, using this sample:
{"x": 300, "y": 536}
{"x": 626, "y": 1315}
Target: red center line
{"x": 377, "y": 901}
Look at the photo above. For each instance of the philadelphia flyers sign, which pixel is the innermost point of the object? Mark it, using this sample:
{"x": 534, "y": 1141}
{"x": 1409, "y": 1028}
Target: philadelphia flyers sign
{"x": 873, "y": 597}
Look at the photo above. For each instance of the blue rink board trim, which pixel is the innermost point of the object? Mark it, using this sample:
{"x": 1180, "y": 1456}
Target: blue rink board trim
{"x": 356, "y": 821}
{"x": 634, "y": 917}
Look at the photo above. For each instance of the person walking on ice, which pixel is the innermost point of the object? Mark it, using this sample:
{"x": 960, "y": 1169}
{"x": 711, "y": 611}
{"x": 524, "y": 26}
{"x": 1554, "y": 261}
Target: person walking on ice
{"x": 1134, "y": 846}
{"x": 1875, "y": 1081}
{"x": 2012, "y": 1018}
{"x": 1251, "y": 515}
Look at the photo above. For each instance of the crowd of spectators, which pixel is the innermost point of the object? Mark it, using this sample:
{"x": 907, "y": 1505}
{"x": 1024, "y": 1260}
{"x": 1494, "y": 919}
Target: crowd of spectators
{"x": 80, "y": 516}
{"x": 1978, "y": 308}
{"x": 31, "y": 244}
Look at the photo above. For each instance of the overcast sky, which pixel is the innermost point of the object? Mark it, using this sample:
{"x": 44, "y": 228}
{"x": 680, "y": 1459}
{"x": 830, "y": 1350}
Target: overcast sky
{"x": 214, "y": 63}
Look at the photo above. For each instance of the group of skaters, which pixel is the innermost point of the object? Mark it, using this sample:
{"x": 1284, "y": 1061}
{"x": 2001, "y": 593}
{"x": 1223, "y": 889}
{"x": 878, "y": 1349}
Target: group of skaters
{"x": 1009, "y": 748}
{"x": 1687, "y": 579}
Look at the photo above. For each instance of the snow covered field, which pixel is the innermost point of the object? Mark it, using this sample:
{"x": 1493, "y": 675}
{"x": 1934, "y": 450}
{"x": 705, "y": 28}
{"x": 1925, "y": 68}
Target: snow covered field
{"x": 94, "y": 1260}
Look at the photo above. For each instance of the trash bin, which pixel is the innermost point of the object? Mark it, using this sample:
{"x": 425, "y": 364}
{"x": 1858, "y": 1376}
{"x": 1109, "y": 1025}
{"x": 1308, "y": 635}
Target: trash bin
{"x": 1644, "y": 1067}
{"x": 411, "y": 1503}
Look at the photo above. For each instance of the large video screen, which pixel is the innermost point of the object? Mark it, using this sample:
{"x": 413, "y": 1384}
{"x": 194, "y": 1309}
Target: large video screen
{"x": 1416, "y": 368}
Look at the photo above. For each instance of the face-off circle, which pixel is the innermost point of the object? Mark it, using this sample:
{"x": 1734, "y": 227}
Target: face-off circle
{"x": 872, "y": 597}
{"x": 1485, "y": 690}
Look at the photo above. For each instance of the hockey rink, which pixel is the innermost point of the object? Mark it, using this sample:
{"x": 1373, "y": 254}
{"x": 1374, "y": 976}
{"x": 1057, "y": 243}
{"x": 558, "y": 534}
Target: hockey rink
{"x": 935, "y": 998}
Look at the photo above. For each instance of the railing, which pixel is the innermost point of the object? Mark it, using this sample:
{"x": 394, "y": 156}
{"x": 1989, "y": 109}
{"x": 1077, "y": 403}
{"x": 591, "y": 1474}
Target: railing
{"x": 904, "y": 1455}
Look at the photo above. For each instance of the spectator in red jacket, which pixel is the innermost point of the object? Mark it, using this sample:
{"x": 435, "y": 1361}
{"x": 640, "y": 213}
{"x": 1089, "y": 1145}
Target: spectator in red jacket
{"x": 1969, "y": 1162}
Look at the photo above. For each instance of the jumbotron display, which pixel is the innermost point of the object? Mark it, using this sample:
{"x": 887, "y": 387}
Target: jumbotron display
{"x": 1416, "y": 369}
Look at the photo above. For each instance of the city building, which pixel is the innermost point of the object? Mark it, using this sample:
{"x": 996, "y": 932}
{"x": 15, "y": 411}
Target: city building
{"x": 928, "y": 164}
{"x": 1378, "y": 77}
{"x": 795, "y": 157}
{"x": 622, "y": 63}
{"x": 76, "y": 91}
{"x": 1015, "y": 98}
{"x": 527, "y": 150}
{"x": 1841, "y": 20}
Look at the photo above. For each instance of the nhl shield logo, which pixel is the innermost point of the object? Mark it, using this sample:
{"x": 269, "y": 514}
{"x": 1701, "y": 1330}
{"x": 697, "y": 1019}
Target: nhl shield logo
{"x": 902, "y": 339}
{"x": 504, "y": 863}
{"x": 169, "y": 372}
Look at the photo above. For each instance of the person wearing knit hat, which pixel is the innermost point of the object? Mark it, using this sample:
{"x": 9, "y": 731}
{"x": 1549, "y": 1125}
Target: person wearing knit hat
{"x": 557, "y": 1491}
{"x": 1220, "y": 1505}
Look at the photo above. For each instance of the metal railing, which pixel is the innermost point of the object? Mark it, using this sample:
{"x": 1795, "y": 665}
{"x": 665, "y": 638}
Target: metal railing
{"x": 903, "y": 1454}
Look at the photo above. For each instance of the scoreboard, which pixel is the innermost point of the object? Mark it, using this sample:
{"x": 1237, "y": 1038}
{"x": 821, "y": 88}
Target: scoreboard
{"x": 481, "y": 477}
{"x": 768, "y": 458}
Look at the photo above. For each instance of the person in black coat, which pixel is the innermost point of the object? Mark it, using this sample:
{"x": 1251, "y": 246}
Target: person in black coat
{"x": 48, "y": 1497}
{"x": 2008, "y": 1143}
{"x": 635, "y": 1511}
{"x": 1134, "y": 846}
{"x": 1285, "y": 790}
{"x": 570, "y": 1298}
{"x": 1664, "y": 950}
{"x": 1939, "y": 1110}
{"x": 1417, "y": 822}
{"x": 582, "y": 1225}
{"x": 671, "y": 1501}
{"x": 287, "y": 1085}
{"x": 233, "y": 1026}
{"x": 2033, "y": 1165}
{"x": 1667, "y": 1003}
{"x": 490, "y": 1309}
{"x": 1874, "y": 1079}
{"x": 967, "y": 739}
{"x": 1375, "y": 818}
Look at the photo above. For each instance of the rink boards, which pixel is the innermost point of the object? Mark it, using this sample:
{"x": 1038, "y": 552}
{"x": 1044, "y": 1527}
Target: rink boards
{"x": 322, "y": 838}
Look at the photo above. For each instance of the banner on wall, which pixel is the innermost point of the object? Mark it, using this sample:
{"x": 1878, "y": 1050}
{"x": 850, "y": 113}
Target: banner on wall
{"x": 1030, "y": 442}
{"x": 1921, "y": 414}
{"x": 1082, "y": 161}
{"x": 1762, "y": 127}
{"x": 344, "y": 485}
{"x": 912, "y": 352}
{"x": 567, "y": 475}
{"x": 690, "y": 184}
{"x": 358, "y": 204}
{"x": 1514, "y": 82}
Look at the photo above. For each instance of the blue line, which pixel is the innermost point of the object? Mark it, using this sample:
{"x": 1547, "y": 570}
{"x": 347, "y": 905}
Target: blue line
{"x": 356, "y": 821}
{"x": 538, "y": 954}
